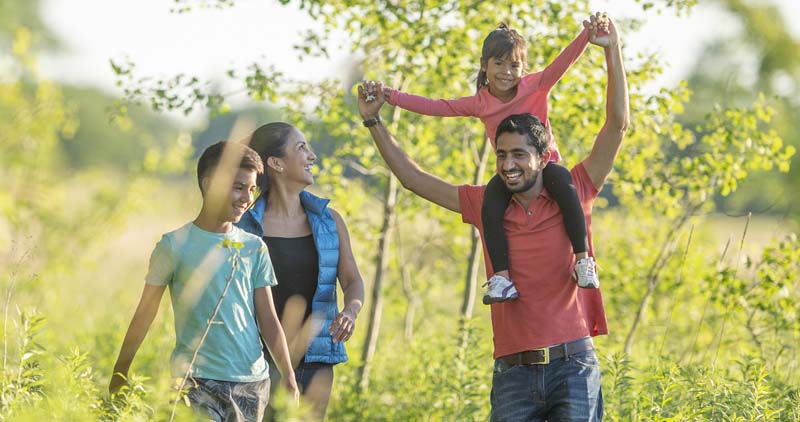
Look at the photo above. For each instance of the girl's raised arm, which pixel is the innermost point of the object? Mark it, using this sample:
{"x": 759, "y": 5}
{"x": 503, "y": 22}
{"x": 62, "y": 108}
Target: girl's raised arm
{"x": 566, "y": 58}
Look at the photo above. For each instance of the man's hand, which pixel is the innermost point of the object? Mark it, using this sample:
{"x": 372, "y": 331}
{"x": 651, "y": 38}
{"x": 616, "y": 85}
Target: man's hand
{"x": 601, "y": 30}
{"x": 343, "y": 325}
{"x": 370, "y": 109}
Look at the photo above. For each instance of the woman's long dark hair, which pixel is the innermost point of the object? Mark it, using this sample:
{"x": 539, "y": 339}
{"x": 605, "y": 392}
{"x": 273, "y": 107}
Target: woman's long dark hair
{"x": 270, "y": 140}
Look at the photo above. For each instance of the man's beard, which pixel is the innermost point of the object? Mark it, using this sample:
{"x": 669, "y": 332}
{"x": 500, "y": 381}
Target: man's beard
{"x": 525, "y": 186}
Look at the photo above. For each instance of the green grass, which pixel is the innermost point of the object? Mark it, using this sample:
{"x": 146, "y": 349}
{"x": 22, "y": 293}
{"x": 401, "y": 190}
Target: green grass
{"x": 694, "y": 356}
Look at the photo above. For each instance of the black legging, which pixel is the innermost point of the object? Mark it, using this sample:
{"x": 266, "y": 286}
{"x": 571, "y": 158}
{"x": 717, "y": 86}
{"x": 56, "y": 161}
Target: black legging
{"x": 558, "y": 182}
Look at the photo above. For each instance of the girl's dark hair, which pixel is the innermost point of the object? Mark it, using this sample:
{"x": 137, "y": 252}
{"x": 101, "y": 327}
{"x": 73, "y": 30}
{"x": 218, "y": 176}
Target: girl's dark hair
{"x": 502, "y": 42}
{"x": 270, "y": 140}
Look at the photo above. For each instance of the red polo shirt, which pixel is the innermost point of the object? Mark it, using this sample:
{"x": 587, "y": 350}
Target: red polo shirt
{"x": 551, "y": 309}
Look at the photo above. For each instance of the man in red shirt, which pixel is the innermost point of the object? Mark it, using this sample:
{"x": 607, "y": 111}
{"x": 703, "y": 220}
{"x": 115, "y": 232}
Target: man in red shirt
{"x": 545, "y": 364}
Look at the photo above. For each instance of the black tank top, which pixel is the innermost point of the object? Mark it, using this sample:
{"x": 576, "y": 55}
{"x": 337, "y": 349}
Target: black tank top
{"x": 296, "y": 267}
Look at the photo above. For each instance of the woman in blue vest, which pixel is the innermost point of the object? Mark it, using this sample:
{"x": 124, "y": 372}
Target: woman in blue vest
{"x": 310, "y": 249}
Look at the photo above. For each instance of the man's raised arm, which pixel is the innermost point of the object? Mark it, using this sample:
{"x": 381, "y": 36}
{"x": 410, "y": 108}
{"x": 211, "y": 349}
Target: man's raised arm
{"x": 407, "y": 171}
{"x": 601, "y": 160}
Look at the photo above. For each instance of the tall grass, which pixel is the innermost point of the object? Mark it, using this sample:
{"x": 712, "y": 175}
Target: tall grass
{"x": 63, "y": 329}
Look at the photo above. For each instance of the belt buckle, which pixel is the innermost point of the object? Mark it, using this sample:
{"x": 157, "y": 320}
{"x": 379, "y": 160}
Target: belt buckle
{"x": 546, "y": 352}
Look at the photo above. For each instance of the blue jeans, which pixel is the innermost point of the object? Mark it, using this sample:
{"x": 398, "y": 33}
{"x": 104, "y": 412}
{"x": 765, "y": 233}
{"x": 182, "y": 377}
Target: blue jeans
{"x": 564, "y": 390}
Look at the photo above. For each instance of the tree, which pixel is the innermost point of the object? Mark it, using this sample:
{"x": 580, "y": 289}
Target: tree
{"x": 53, "y": 217}
{"x": 760, "y": 59}
{"x": 24, "y": 14}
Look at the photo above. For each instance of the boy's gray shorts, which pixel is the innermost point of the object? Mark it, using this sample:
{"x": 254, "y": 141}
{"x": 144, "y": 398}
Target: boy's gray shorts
{"x": 227, "y": 401}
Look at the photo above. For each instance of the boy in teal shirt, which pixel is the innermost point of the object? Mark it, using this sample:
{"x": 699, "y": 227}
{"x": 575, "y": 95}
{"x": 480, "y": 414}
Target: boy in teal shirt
{"x": 218, "y": 277}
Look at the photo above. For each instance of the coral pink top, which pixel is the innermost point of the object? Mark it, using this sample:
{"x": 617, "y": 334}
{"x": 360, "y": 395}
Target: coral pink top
{"x": 531, "y": 97}
{"x": 551, "y": 309}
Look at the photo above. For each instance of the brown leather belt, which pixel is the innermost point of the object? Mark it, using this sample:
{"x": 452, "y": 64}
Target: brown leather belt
{"x": 544, "y": 355}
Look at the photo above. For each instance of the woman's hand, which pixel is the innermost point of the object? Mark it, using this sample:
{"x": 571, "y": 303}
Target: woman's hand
{"x": 343, "y": 325}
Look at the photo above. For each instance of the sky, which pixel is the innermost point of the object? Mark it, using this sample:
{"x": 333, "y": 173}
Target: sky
{"x": 206, "y": 42}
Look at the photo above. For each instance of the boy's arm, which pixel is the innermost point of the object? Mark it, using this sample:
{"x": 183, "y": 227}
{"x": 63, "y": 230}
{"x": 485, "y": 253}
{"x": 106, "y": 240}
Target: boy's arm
{"x": 465, "y": 106}
{"x": 274, "y": 337}
{"x": 566, "y": 58}
{"x": 352, "y": 285}
{"x": 142, "y": 319}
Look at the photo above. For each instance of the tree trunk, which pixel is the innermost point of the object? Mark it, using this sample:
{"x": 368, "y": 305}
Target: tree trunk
{"x": 382, "y": 264}
{"x": 408, "y": 290}
{"x": 473, "y": 264}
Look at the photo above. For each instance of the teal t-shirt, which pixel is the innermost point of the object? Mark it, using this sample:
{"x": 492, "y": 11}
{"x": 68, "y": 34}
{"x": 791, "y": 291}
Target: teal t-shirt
{"x": 196, "y": 265}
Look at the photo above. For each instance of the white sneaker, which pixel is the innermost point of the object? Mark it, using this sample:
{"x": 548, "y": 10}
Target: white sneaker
{"x": 500, "y": 289}
{"x": 585, "y": 273}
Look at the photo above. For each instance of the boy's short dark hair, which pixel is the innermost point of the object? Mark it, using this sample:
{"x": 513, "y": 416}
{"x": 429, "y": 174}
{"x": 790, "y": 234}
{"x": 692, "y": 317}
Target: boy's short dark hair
{"x": 210, "y": 158}
{"x": 529, "y": 125}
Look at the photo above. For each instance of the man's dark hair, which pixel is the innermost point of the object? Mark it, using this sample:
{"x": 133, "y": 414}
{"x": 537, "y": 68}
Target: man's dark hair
{"x": 212, "y": 155}
{"x": 529, "y": 125}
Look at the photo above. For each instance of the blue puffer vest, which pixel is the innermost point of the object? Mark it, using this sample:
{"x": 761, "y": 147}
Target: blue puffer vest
{"x": 323, "y": 307}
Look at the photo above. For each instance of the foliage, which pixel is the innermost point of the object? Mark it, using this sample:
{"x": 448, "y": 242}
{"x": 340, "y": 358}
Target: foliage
{"x": 121, "y": 145}
{"x": 715, "y": 338}
{"x": 672, "y": 392}
{"x": 679, "y": 6}
{"x": 53, "y": 223}
{"x": 15, "y": 14}
{"x": 446, "y": 380}
{"x": 753, "y": 64}
{"x": 22, "y": 381}
{"x": 766, "y": 304}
